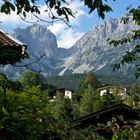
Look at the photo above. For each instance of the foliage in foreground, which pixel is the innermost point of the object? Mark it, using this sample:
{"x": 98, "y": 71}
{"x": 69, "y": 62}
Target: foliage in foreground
{"x": 29, "y": 114}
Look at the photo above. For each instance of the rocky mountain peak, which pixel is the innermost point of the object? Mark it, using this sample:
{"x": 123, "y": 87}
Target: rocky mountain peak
{"x": 39, "y": 39}
{"x": 91, "y": 52}
{"x": 38, "y": 30}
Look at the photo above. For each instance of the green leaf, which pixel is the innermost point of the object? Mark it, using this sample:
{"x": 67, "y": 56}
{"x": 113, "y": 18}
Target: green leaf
{"x": 7, "y": 7}
{"x": 12, "y": 6}
{"x": 69, "y": 11}
{"x": 59, "y": 12}
{"x": 52, "y": 3}
{"x": 92, "y": 8}
{"x": 107, "y": 8}
{"x": 4, "y": 119}
{"x": 5, "y": 111}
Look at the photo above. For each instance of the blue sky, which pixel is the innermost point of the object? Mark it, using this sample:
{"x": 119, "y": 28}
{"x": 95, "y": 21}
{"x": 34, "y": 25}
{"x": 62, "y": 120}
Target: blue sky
{"x": 83, "y": 22}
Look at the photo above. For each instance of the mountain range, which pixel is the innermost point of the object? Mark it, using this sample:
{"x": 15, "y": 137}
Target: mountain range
{"x": 91, "y": 52}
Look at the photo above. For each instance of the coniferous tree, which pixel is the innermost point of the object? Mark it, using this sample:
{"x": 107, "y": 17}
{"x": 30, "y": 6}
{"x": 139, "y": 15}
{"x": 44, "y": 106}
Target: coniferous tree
{"x": 88, "y": 101}
{"x": 91, "y": 80}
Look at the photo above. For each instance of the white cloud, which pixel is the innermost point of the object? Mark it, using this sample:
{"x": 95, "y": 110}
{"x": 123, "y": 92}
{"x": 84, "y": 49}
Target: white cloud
{"x": 57, "y": 28}
{"x": 68, "y": 38}
{"x": 78, "y": 8}
{"x": 10, "y": 19}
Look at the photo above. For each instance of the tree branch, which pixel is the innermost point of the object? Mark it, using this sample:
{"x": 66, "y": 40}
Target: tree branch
{"x": 25, "y": 65}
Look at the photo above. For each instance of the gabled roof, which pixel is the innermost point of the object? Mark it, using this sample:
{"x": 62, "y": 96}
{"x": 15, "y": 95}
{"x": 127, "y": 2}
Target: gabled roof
{"x": 8, "y": 40}
{"x": 11, "y": 49}
{"x": 107, "y": 86}
{"x": 105, "y": 115}
{"x": 64, "y": 89}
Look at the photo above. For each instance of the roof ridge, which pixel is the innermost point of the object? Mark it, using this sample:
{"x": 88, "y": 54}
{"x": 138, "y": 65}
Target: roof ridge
{"x": 11, "y": 38}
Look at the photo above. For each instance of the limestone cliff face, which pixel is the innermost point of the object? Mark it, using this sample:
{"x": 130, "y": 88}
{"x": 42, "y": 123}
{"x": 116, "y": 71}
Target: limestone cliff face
{"x": 91, "y": 52}
{"x": 39, "y": 39}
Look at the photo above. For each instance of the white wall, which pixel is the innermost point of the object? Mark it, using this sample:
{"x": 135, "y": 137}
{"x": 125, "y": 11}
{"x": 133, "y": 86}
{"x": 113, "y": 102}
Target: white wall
{"x": 68, "y": 94}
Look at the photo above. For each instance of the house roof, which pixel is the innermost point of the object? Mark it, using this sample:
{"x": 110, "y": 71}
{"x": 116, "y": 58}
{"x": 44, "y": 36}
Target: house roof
{"x": 8, "y": 40}
{"x": 105, "y": 115}
{"x": 64, "y": 89}
{"x": 106, "y": 86}
{"x": 12, "y": 50}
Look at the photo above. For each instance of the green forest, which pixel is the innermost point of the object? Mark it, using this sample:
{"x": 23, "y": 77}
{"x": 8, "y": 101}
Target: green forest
{"x": 27, "y": 112}
{"x": 72, "y": 81}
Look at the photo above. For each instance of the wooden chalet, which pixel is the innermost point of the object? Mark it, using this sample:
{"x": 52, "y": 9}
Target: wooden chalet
{"x": 11, "y": 49}
{"x": 105, "y": 116}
